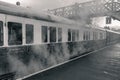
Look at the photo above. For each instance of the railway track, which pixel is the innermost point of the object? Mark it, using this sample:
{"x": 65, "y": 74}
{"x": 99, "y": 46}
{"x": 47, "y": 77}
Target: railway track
{"x": 8, "y": 76}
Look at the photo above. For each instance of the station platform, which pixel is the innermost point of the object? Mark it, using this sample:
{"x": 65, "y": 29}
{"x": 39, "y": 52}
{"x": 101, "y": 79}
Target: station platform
{"x": 103, "y": 64}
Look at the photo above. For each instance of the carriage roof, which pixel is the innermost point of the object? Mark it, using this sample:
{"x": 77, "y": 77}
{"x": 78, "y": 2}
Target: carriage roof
{"x": 15, "y": 10}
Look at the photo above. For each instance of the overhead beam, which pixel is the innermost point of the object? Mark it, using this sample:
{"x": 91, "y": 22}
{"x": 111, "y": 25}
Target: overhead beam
{"x": 89, "y": 9}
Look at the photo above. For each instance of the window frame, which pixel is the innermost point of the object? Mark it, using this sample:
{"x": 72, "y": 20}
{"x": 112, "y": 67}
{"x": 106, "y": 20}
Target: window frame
{"x": 20, "y": 25}
{"x": 59, "y": 34}
{"x": 55, "y": 36}
{"x": 29, "y": 25}
{"x": 2, "y": 32}
{"x": 46, "y": 35}
{"x": 69, "y": 33}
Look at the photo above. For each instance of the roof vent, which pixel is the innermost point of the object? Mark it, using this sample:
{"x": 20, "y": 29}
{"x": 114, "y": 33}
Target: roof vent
{"x": 18, "y": 3}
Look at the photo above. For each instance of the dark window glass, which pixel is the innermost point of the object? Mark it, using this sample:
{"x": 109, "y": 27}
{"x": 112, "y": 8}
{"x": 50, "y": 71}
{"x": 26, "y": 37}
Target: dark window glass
{"x": 59, "y": 34}
{"x": 101, "y": 36}
{"x": 84, "y": 36}
{"x": 77, "y": 35}
{"x": 94, "y": 35}
{"x": 1, "y": 33}
{"x": 69, "y": 35}
{"x": 44, "y": 34}
{"x": 14, "y": 33}
{"x": 29, "y": 33}
{"x": 73, "y": 35}
{"x": 52, "y": 34}
{"x": 89, "y": 35}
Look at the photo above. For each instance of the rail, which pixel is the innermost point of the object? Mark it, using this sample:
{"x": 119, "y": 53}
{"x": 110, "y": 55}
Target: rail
{"x": 8, "y": 76}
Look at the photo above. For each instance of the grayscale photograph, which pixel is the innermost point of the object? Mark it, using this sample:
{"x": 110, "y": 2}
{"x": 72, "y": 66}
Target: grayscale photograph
{"x": 59, "y": 39}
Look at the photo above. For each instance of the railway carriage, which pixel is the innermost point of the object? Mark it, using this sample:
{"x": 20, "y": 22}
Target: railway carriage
{"x": 31, "y": 41}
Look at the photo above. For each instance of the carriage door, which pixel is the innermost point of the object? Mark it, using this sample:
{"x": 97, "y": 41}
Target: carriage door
{"x": 2, "y": 28}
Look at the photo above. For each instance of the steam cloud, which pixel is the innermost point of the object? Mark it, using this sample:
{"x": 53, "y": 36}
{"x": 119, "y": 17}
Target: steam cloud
{"x": 41, "y": 59}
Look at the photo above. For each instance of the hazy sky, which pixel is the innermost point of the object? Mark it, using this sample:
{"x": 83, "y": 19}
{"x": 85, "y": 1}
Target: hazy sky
{"x": 44, "y": 4}
{"x": 39, "y": 5}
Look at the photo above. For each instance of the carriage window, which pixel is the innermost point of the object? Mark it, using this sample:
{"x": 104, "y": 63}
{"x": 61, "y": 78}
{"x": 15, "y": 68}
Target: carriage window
{"x": 69, "y": 35}
{"x": 77, "y": 35}
{"x": 73, "y": 35}
{"x": 89, "y": 35}
{"x": 94, "y": 35}
{"x": 101, "y": 36}
{"x": 52, "y": 34}
{"x": 44, "y": 34}
{"x": 59, "y": 34}
{"x": 1, "y": 33}
{"x": 29, "y": 33}
{"x": 84, "y": 36}
{"x": 14, "y": 33}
